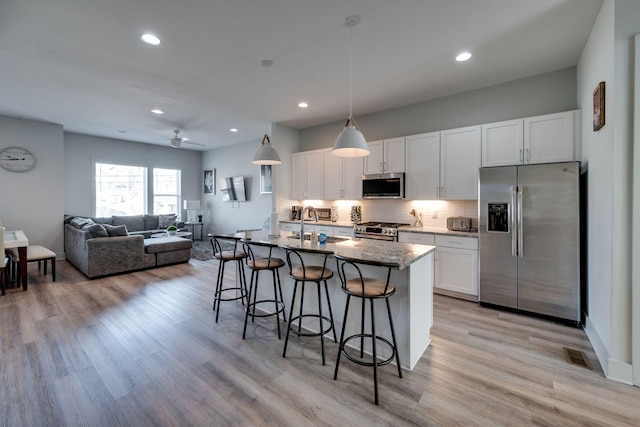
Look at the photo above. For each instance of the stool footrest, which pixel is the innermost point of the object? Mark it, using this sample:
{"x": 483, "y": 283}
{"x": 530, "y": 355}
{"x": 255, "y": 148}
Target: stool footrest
{"x": 271, "y": 313}
{"x": 358, "y": 360}
{"x": 243, "y": 294}
{"x": 310, "y": 334}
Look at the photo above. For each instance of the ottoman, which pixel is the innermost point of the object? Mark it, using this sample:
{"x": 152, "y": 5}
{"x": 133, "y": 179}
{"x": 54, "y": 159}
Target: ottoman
{"x": 166, "y": 250}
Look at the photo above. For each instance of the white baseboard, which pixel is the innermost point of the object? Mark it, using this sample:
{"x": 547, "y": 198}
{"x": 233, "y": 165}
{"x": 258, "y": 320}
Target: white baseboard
{"x": 613, "y": 369}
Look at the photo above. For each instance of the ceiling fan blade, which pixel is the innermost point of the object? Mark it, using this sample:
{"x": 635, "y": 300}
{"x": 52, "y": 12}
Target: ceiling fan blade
{"x": 184, "y": 141}
{"x": 161, "y": 136}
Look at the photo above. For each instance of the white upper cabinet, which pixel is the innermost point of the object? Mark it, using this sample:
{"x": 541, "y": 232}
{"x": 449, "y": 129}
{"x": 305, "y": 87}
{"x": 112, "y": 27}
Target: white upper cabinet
{"x": 502, "y": 143}
{"x": 342, "y": 177}
{"x": 542, "y": 139}
{"x": 307, "y": 175}
{"x": 550, "y": 138}
{"x": 386, "y": 156}
{"x": 422, "y": 166}
{"x": 459, "y": 163}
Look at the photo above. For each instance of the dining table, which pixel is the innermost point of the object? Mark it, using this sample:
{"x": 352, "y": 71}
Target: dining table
{"x": 17, "y": 239}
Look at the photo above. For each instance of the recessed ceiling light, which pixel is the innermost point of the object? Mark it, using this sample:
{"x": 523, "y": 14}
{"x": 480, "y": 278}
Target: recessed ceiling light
{"x": 303, "y": 105}
{"x": 150, "y": 38}
{"x": 156, "y": 111}
{"x": 233, "y": 130}
{"x": 463, "y": 56}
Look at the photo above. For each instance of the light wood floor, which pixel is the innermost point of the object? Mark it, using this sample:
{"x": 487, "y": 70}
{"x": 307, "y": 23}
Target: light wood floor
{"x": 142, "y": 349}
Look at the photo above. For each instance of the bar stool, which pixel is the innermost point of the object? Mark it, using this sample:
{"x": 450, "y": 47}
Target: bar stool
{"x": 225, "y": 256}
{"x": 371, "y": 289}
{"x": 258, "y": 264}
{"x": 303, "y": 274}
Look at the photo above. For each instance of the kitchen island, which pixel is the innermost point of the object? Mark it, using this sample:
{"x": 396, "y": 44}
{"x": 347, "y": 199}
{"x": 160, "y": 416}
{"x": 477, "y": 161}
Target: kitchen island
{"x": 412, "y": 275}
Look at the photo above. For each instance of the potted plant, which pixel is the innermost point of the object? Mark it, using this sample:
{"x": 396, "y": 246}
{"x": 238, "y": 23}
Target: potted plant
{"x": 172, "y": 230}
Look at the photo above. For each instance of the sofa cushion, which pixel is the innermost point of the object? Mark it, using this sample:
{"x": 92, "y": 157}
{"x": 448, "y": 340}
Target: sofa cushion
{"x": 80, "y": 222}
{"x": 151, "y": 222}
{"x": 116, "y": 230}
{"x": 133, "y": 222}
{"x": 165, "y": 221}
{"x": 102, "y": 220}
{"x": 96, "y": 230}
{"x": 165, "y": 244}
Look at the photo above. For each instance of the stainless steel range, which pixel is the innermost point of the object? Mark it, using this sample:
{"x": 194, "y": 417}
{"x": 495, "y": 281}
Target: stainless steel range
{"x": 378, "y": 230}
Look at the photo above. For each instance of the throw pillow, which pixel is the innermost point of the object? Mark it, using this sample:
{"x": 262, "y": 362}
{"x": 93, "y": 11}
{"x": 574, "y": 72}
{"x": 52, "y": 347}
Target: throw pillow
{"x": 96, "y": 230}
{"x": 116, "y": 230}
{"x": 166, "y": 220}
{"x": 80, "y": 222}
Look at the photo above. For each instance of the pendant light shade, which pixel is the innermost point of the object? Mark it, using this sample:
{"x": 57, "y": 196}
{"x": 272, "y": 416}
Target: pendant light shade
{"x": 350, "y": 142}
{"x": 266, "y": 154}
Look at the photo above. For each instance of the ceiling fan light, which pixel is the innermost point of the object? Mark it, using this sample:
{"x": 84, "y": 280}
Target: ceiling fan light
{"x": 266, "y": 154}
{"x": 350, "y": 143}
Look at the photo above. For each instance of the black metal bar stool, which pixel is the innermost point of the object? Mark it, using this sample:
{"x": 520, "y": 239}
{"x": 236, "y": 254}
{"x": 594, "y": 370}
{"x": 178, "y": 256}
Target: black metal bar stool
{"x": 224, "y": 256}
{"x": 370, "y": 289}
{"x": 256, "y": 265}
{"x": 303, "y": 274}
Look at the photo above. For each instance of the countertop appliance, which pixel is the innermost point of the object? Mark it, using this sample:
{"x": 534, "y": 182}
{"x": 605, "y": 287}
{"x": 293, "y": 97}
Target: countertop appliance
{"x": 378, "y": 230}
{"x": 458, "y": 223}
{"x": 383, "y": 186}
{"x": 529, "y": 238}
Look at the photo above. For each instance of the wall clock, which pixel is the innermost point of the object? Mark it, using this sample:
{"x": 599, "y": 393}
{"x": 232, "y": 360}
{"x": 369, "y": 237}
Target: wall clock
{"x": 16, "y": 159}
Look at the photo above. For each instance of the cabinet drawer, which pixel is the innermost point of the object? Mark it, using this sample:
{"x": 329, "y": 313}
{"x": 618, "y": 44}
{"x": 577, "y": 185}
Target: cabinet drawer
{"x": 421, "y": 238}
{"x": 287, "y": 226}
{"x": 457, "y": 242}
{"x": 343, "y": 231}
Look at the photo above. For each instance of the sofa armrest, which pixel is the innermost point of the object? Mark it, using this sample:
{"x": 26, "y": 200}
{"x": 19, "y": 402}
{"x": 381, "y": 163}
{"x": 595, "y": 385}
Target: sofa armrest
{"x": 110, "y": 255}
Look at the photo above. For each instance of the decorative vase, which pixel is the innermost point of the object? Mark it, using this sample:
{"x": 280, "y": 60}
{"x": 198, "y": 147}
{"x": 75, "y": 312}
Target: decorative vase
{"x": 334, "y": 214}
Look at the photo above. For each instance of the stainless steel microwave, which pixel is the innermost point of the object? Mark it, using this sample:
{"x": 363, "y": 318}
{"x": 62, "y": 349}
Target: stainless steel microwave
{"x": 383, "y": 186}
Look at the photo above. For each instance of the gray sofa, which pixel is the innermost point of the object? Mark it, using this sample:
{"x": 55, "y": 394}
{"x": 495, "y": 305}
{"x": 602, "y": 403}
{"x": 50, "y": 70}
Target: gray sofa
{"x": 103, "y": 256}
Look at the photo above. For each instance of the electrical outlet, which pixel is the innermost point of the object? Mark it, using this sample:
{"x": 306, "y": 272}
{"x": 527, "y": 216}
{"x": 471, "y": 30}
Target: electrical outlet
{"x": 434, "y": 215}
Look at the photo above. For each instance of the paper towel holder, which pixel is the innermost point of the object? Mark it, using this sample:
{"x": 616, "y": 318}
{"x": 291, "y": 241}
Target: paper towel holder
{"x": 273, "y": 225}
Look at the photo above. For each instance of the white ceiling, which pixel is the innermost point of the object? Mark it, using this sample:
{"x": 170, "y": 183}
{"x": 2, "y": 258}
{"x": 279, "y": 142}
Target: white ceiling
{"x": 81, "y": 64}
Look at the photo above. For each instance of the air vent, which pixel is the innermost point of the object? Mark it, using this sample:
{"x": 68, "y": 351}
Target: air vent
{"x": 576, "y": 357}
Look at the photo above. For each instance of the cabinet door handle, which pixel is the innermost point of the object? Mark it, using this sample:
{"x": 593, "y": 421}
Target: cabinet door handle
{"x": 521, "y": 156}
{"x": 528, "y": 155}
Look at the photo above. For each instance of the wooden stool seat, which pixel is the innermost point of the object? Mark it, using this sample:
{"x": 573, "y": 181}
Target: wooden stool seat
{"x": 35, "y": 253}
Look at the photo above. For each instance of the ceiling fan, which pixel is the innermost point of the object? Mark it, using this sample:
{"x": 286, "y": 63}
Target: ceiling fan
{"x": 177, "y": 140}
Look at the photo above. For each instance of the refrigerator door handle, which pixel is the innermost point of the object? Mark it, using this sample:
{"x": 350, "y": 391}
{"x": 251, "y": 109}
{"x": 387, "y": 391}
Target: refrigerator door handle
{"x": 520, "y": 223}
{"x": 512, "y": 225}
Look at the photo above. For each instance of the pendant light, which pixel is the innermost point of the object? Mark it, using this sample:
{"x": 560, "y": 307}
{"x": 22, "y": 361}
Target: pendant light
{"x": 350, "y": 142}
{"x": 266, "y": 154}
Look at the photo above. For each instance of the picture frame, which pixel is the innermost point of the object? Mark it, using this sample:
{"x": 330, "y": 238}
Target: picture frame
{"x": 266, "y": 179}
{"x": 209, "y": 181}
{"x": 598, "y": 107}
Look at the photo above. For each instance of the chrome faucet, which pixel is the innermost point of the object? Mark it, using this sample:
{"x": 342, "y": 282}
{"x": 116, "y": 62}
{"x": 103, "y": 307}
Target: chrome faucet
{"x": 315, "y": 214}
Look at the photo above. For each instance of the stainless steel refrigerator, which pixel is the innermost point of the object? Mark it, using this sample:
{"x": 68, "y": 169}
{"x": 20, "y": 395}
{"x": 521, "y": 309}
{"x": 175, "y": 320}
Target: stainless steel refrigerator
{"x": 529, "y": 238}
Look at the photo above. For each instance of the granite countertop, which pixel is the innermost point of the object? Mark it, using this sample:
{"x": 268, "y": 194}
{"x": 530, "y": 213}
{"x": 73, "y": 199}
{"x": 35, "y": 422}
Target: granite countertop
{"x": 401, "y": 255}
{"x": 443, "y": 231}
{"x": 430, "y": 230}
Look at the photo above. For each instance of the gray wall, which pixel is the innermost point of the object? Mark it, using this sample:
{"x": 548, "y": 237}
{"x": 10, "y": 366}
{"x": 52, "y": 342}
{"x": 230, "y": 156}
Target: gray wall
{"x": 80, "y": 151}
{"x": 541, "y": 94}
{"x": 34, "y": 201}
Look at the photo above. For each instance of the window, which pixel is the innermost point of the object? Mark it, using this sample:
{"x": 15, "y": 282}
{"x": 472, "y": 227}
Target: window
{"x": 120, "y": 189}
{"x": 166, "y": 191}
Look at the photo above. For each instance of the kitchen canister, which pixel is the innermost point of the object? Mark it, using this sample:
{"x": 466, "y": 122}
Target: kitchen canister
{"x": 334, "y": 214}
{"x": 356, "y": 214}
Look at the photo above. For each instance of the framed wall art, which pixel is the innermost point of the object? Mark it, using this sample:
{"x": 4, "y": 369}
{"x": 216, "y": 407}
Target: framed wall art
{"x": 210, "y": 181}
{"x": 598, "y": 107}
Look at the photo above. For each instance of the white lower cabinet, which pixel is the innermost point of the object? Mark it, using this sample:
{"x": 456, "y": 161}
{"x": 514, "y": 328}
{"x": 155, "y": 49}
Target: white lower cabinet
{"x": 343, "y": 231}
{"x": 421, "y": 238}
{"x": 456, "y": 266}
{"x": 287, "y": 226}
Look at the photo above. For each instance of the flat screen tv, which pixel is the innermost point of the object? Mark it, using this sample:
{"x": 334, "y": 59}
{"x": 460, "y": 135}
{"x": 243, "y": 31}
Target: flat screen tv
{"x": 232, "y": 189}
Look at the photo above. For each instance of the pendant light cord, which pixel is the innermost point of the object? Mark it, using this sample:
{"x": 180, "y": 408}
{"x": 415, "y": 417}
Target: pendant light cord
{"x": 266, "y": 96}
{"x": 350, "y": 73}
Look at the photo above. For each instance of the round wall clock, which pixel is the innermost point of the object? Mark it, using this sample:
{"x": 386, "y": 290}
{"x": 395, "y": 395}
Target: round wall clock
{"x": 16, "y": 159}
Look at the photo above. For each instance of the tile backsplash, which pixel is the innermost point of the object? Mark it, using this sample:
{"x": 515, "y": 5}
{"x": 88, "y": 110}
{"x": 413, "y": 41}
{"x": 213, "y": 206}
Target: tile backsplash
{"x": 398, "y": 210}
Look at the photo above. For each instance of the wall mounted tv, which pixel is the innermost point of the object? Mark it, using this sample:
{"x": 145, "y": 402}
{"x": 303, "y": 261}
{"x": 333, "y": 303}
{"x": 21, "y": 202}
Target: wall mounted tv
{"x": 232, "y": 189}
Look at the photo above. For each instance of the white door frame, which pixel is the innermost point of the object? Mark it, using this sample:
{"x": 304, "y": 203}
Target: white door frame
{"x": 635, "y": 236}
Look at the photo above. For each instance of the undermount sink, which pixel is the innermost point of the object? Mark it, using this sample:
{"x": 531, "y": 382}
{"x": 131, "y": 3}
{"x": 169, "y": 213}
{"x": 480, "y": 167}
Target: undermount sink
{"x": 330, "y": 239}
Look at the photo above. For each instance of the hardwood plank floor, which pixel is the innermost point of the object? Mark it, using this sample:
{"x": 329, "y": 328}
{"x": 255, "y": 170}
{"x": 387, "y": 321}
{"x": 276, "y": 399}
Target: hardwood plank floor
{"x": 143, "y": 349}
